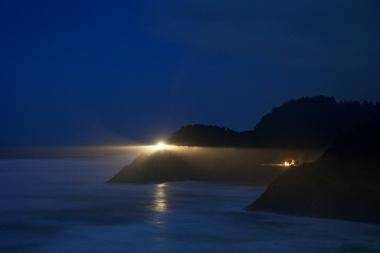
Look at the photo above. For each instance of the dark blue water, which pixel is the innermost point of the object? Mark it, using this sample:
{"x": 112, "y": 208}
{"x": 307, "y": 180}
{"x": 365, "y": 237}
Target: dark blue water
{"x": 64, "y": 206}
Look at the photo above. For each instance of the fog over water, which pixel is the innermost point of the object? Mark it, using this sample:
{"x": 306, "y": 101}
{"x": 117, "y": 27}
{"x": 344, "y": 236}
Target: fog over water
{"x": 63, "y": 205}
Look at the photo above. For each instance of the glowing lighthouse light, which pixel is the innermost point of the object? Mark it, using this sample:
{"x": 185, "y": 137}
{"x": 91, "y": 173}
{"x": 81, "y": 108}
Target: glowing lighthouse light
{"x": 160, "y": 146}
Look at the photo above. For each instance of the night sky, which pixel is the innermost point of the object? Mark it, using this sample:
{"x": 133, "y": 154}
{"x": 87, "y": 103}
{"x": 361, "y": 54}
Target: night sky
{"x": 93, "y": 72}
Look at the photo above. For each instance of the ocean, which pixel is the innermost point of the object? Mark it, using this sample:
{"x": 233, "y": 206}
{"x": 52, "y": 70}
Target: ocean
{"x": 64, "y": 205}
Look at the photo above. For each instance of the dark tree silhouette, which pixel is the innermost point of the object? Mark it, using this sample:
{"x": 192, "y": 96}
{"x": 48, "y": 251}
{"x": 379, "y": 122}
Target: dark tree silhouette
{"x": 203, "y": 135}
{"x": 311, "y": 122}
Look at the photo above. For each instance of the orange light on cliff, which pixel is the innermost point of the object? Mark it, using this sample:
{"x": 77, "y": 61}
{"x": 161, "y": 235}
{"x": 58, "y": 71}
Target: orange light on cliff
{"x": 289, "y": 163}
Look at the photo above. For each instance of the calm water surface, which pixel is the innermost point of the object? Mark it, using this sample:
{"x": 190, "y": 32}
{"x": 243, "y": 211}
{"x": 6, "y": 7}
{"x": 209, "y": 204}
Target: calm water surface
{"x": 64, "y": 206}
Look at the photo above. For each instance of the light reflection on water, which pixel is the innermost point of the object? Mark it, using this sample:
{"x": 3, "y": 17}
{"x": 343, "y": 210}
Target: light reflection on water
{"x": 64, "y": 206}
{"x": 159, "y": 201}
{"x": 159, "y": 204}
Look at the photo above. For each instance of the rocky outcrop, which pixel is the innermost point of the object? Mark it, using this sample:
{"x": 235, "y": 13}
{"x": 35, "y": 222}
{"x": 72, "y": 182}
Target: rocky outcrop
{"x": 227, "y": 165}
{"x": 342, "y": 184}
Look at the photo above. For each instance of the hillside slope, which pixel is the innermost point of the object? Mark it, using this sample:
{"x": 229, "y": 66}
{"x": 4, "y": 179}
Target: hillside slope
{"x": 343, "y": 183}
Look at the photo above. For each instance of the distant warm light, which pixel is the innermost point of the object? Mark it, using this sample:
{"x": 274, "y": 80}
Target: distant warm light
{"x": 289, "y": 163}
{"x": 285, "y": 164}
{"x": 161, "y": 146}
